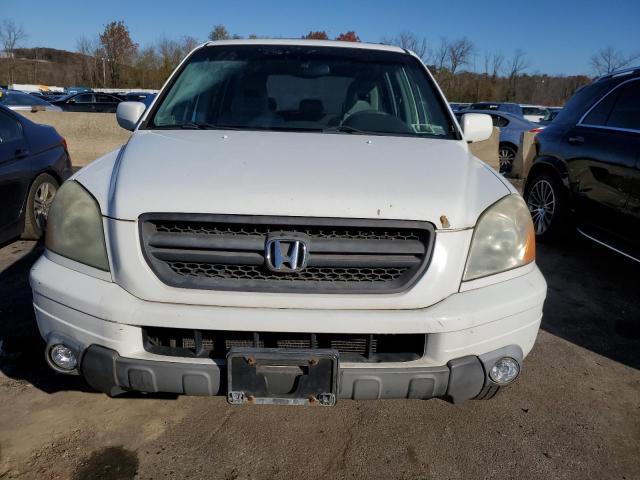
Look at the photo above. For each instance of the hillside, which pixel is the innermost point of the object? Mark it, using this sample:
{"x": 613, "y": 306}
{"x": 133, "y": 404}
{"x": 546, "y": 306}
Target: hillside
{"x": 47, "y": 66}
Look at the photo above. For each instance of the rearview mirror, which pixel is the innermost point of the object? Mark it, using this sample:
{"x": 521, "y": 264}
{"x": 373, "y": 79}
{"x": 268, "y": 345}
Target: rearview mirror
{"x": 128, "y": 114}
{"x": 476, "y": 127}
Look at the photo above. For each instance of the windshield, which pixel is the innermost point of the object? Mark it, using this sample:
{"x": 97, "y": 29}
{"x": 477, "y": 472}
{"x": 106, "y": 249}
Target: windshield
{"x": 22, "y": 100}
{"x": 308, "y": 88}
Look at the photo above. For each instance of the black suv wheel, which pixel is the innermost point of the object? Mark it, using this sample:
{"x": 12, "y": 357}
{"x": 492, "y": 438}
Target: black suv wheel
{"x": 546, "y": 198}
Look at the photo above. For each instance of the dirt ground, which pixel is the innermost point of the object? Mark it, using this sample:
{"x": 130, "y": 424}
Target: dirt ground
{"x": 575, "y": 412}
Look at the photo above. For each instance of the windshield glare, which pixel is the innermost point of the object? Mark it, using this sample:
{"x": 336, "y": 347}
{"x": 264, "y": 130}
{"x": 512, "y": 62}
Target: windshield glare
{"x": 307, "y": 88}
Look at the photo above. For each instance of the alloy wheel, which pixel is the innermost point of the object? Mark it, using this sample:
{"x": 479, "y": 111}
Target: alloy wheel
{"x": 506, "y": 156}
{"x": 542, "y": 205}
{"x": 42, "y": 201}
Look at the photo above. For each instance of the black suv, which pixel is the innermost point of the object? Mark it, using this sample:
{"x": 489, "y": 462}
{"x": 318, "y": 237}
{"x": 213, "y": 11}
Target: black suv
{"x": 88, "y": 102}
{"x": 587, "y": 167}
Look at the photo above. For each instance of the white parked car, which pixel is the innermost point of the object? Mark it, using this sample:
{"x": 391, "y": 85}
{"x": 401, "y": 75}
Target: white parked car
{"x": 292, "y": 222}
{"x": 534, "y": 113}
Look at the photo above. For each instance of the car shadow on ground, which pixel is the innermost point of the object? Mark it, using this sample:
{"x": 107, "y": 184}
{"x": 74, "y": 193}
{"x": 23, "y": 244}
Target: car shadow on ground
{"x": 21, "y": 346}
{"x": 593, "y": 298}
{"x": 21, "y": 352}
{"x": 592, "y": 301}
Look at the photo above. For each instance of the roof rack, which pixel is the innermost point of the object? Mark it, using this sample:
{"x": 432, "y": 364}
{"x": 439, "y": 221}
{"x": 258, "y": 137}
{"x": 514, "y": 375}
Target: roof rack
{"x": 622, "y": 71}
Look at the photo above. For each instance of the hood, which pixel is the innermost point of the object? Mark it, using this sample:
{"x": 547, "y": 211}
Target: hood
{"x": 294, "y": 174}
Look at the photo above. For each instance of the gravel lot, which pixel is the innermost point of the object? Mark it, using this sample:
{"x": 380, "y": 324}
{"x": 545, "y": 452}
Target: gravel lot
{"x": 575, "y": 413}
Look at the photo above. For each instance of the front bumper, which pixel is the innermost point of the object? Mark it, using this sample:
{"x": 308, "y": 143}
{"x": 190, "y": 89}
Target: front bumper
{"x": 102, "y": 323}
{"x": 461, "y": 379}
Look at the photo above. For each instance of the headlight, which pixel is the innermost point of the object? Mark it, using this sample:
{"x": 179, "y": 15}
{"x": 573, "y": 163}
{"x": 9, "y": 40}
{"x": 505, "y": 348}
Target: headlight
{"x": 74, "y": 227}
{"x": 503, "y": 239}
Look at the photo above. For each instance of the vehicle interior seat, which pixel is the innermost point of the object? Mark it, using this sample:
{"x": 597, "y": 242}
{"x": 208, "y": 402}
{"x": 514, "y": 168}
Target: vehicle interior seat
{"x": 361, "y": 96}
{"x": 250, "y": 105}
{"x": 311, "y": 109}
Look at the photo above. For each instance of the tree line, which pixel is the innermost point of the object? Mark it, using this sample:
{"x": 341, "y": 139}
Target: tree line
{"x": 465, "y": 73}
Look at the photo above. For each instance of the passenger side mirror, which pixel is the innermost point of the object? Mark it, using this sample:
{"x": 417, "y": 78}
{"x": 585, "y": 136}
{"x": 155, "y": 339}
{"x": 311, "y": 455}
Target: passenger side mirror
{"x": 476, "y": 127}
{"x": 128, "y": 114}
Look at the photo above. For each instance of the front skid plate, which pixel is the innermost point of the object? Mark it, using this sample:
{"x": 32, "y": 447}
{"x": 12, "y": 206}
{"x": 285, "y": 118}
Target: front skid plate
{"x": 282, "y": 376}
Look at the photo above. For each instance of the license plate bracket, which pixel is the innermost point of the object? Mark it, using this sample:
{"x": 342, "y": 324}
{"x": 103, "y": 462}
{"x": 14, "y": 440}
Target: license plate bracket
{"x": 278, "y": 376}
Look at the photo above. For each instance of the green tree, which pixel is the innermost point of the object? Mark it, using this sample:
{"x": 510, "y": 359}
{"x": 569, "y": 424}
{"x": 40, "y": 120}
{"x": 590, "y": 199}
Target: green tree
{"x": 219, "y": 32}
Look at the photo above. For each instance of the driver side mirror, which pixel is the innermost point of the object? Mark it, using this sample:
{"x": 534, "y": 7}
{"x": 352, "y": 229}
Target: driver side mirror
{"x": 128, "y": 114}
{"x": 476, "y": 127}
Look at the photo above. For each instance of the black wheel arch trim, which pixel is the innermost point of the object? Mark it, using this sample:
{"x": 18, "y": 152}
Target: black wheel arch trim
{"x": 510, "y": 145}
{"x": 550, "y": 164}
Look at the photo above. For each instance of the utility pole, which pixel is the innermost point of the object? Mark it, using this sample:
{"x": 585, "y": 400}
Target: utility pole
{"x": 104, "y": 74}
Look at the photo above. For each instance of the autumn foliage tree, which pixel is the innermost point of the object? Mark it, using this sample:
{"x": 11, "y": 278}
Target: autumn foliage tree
{"x": 119, "y": 50}
{"x": 319, "y": 35}
{"x": 349, "y": 36}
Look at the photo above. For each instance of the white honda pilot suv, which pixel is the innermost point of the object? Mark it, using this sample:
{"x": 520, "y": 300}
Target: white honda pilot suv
{"x": 292, "y": 222}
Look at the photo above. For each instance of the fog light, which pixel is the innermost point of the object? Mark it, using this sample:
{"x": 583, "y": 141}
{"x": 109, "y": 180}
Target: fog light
{"x": 63, "y": 357}
{"x": 504, "y": 371}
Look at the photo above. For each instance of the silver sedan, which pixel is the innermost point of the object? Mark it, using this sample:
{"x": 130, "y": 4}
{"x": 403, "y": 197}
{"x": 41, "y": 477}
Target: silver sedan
{"x": 19, "y": 101}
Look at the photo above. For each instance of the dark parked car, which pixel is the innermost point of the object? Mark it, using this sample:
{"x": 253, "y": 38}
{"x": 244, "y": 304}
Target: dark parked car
{"x": 551, "y": 114}
{"x": 71, "y": 90}
{"x": 457, "y": 106}
{"x": 512, "y": 108}
{"x": 587, "y": 167}
{"x": 89, "y": 102}
{"x": 142, "y": 97}
{"x": 33, "y": 163}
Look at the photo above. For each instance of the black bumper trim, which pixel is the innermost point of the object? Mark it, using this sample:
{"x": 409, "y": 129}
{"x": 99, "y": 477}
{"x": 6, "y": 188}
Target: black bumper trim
{"x": 106, "y": 371}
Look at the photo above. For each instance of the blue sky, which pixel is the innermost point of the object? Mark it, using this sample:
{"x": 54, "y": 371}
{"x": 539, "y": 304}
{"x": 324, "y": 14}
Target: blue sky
{"x": 558, "y": 36}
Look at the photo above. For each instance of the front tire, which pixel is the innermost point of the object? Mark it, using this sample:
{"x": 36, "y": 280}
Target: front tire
{"x": 41, "y": 194}
{"x": 546, "y": 199}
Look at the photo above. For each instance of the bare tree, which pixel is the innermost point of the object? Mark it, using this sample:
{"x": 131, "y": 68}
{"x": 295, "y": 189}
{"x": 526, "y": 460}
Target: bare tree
{"x": 11, "y": 36}
{"x": 609, "y": 60}
{"x": 410, "y": 41}
{"x": 518, "y": 64}
{"x": 493, "y": 64}
{"x": 441, "y": 54}
{"x": 170, "y": 53}
{"x": 188, "y": 44}
{"x": 88, "y": 47}
{"x": 459, "y": 53}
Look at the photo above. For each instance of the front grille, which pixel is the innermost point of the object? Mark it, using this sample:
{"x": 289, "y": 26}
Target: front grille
{"x": 216, "y": 343}
{"x": 227, "y": 252}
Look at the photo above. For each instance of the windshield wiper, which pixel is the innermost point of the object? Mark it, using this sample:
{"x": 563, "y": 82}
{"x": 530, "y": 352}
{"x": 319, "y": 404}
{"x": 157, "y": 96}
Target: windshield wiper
{"x": 345, "y": 129}
{"x": 203, "y": 126}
